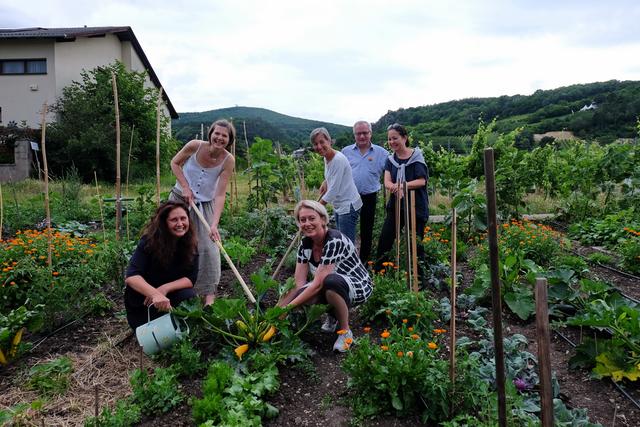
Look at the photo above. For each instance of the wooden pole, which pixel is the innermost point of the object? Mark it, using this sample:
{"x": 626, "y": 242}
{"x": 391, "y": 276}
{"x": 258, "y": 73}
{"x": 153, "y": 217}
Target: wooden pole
{"x": 452, "y": 323}
{"x": 397, "y": 218}
{"x": 233, "y": 191}
{"x": 126, "y": 185}
{"x": 158, "y": 148}
{"x": 1, "y": 212}
{"x": 414, "y": 246}
{"x": 286, "y": 254}
{"x": 246, "y": 141}
{"x": 544, "y": 356}
{"x": 496, "y": 298}
{"x": 104, "y": 231}
{"x": 46, "y": 182}
{"x": 407, "y": 232}
{"x": 226, "y": 256}
{"x": 118, "y": 193}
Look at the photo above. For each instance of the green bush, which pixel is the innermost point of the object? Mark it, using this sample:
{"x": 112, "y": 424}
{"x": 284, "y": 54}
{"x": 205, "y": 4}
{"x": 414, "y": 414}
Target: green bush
{"x": 51, "y": 378}
{"x": 157, "y": 393}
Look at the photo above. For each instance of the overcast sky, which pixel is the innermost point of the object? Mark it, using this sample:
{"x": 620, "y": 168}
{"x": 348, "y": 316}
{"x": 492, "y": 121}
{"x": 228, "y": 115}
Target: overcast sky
{"x": 342, "y": 60}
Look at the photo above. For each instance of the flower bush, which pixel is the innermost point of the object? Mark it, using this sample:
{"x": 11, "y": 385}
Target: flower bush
{"x": 537, "y": 242}
{"x": 630, "y": 250}
{"x": 80, "y": 268}
{"x": 404, "y": 373}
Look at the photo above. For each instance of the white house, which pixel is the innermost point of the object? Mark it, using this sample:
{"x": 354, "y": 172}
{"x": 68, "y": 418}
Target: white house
{"x": 37, "y": 63}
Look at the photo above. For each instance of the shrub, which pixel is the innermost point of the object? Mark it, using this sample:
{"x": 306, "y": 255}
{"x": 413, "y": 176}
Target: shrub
{"x": 51, "y": 378}
{"x": 157, "y": 393}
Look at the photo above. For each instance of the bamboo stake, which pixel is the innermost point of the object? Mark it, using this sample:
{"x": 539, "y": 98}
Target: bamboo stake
{"x": 226, "y": 256}
{"x": 544, "y": 356}
{"x": 286, "y": 254}
{"x": 46, "y": 183}
{"x": 397, "y": 218}
{"x": 407, "y": 232}
{"x": 158, "y": 148}
{"x": 118, "y": 194}
{"x": 104, "y": 231}
{"x": 126, "y": 185}
{"x": 246, "y": 141}
{"x": 414, "y": 245}
{"x": 492, "y": 229}
{"x": 452, "y": 323}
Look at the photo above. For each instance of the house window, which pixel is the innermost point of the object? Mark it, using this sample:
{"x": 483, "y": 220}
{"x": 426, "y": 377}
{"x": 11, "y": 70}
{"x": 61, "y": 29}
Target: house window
{"x": 23, "y": 66}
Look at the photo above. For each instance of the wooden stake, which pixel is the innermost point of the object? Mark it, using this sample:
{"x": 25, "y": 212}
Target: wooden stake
{"x": 246, "y": 141}
{"x": 544, "y": 356}
{"x": 158, "y": 148}
{"x": 104, "y": 231}
{"x": 118, "y": 193}
{"x": 1, "y": 212}
{"x": 492, "y": 229}
{"x": 397, "y": 217}
{"x": 126, "y": 185}
{"x": 452, "y": 323}
{"x": 46, "y": 183}
{"x": 414, "y": 246}
{"x": 96, "y": 401}
{"x": 407, "y": 232}
{"x": 226, "y": 256}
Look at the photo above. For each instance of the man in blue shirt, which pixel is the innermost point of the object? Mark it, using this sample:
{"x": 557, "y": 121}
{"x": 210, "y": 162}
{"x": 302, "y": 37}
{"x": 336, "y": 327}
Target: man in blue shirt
{"x": 367, "y": 165}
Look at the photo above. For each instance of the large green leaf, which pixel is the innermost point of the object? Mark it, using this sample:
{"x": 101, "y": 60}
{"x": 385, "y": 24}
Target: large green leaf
{"x": 520, "y": 303}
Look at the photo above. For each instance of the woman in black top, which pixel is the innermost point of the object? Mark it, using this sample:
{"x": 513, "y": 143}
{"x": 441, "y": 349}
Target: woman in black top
{"x": 404, "y": 165}
{"x": 164, "y": 266}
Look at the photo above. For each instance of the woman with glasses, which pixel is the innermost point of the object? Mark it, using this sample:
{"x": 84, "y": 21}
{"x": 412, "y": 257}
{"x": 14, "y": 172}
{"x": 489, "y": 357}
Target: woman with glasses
{"x": 338, "y": 187}
{"x": 405, "y": 165}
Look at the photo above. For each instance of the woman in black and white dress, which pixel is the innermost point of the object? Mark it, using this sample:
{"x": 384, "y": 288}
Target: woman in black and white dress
{"x": 339, "y": 277}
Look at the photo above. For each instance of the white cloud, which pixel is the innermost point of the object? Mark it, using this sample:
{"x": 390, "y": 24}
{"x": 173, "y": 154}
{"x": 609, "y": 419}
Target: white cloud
{"x": 344, "y": 60}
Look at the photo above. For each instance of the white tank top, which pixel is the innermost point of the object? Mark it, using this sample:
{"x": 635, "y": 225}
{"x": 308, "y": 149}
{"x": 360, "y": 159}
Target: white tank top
{"x": 202, "y": 181}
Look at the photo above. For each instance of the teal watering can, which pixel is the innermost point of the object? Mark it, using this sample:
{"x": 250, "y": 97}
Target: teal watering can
{"x": 159, "y": 334}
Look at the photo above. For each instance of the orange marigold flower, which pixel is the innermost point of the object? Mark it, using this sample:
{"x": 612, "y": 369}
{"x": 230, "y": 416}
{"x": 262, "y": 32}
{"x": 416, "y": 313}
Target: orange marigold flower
{"x": 405, "y": 320}
{"x": 341, "y": 332}
{"x": 409, "y": 353}
{"x": 55, "y": 273}
{"x": 410, "y": 329}
{"x": 432, "y": 345}
{"x": 384, "y": 347}
{"x": 381, "y": 272}
{"x": 366, "y": 329}
{"x": 385, "y": 334}
{"x": 369, "y": 262}
{"x": 439, "y": 331}
{"x": 415, "y": 336}
{"x": 400, "y": 354}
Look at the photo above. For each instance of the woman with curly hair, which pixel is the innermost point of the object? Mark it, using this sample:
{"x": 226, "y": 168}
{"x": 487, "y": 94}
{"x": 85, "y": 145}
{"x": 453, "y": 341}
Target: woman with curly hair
{"x": 163, "y": 267}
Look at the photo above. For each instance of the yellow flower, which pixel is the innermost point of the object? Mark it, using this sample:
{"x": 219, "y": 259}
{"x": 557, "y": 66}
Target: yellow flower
{"x": 432, "y": 345}
{"x": 269, "y": 334}
{"x": 240, "y": 350}
{"x": 385, "y": 334}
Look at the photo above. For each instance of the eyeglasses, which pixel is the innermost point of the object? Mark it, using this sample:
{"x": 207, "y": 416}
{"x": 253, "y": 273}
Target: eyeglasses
{"x": 361, "y": 133}
{"x": 395, "y": 126}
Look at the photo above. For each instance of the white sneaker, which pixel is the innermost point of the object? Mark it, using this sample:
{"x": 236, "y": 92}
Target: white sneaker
{"x": 329, "y": 325}
{"x": 343, "y": 342}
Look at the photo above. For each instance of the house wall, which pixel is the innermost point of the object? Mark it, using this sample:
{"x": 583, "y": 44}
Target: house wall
{"x": 22, "y": 166}
{"x": 22, "y": 96}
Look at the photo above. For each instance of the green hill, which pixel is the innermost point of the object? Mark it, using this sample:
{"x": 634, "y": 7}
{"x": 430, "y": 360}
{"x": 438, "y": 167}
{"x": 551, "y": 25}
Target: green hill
{"x": 617, "y": 107}
{"x": 292, "y": 132}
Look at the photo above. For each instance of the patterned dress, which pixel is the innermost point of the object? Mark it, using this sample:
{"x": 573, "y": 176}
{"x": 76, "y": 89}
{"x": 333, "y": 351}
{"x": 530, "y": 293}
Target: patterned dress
{"x": 340, "y": 251}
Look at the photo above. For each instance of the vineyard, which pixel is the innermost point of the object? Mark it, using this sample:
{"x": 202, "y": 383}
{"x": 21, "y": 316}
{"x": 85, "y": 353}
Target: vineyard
{"x": 67, "y": 356}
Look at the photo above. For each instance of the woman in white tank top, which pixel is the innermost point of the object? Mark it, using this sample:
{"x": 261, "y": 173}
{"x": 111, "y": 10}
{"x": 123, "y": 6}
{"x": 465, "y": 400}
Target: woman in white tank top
{"x": 202, "y": 171}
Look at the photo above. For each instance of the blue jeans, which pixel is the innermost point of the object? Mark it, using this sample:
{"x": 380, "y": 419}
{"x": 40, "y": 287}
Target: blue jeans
{"x": 346, "y": 223}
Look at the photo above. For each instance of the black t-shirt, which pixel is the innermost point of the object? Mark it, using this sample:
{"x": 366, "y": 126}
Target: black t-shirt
{"x": 142, "y": 263}
{"x": 413, "y": 171}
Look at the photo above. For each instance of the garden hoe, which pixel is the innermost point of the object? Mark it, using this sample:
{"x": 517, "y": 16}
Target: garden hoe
{"x": 226, "y": 256}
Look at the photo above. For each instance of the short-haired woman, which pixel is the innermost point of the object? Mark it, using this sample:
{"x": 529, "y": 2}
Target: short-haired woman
{"x": 339, "y": 278}
{"x": 404, "y": 165}
{"x": 203, "y": 170}
{"x": 338, "y": 187}
{"x": 164, "y": 266}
